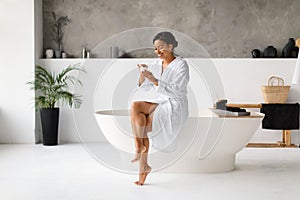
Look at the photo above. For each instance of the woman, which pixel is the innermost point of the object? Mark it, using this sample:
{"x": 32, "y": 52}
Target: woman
{"x": 164, "y": 112}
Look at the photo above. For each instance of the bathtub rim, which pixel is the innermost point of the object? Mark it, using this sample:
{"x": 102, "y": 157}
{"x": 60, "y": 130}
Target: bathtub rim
{"x": 126, "y": 112}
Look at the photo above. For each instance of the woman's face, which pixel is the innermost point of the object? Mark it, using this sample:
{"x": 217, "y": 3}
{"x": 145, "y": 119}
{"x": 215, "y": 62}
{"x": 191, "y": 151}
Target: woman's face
{"x": 162, "y": 49}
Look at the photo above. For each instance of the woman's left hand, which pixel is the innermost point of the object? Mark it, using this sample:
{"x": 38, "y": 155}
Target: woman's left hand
{"x": 150, "y": 77}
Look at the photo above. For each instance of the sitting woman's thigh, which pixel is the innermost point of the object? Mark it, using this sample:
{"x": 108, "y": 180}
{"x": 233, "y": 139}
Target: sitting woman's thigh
{"x": 144, "y": 107}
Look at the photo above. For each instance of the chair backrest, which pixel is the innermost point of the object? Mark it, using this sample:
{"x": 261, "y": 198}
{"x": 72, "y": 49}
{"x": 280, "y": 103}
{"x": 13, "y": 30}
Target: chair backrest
{"x": 280, "y": 116}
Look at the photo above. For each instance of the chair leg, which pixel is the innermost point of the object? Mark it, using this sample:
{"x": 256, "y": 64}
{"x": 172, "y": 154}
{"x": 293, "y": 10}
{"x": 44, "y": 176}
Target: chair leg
{"x": 285, "y": 142}
{"x": 283, "y": 137}
{"x": 287, "y": 134}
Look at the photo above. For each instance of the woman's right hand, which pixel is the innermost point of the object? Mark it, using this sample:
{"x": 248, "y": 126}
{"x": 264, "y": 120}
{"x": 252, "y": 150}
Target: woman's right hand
{"x": 141, "y": 68}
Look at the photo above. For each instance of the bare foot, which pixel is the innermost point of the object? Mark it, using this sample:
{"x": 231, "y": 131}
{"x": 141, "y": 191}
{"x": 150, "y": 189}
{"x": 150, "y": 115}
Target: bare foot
{"x": 143, "y": 176}
{"x": 139, "y": 153}
{"x": 138, "y": 183}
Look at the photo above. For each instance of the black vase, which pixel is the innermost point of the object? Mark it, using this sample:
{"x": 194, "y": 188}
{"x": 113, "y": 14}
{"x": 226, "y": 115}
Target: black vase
{"x": 255, "y": 53}
{"x": 295, "y": 52}
{"x": 50, "y": 120}
{"x": 270, "y": 52}
{"x": 288, "y": 48}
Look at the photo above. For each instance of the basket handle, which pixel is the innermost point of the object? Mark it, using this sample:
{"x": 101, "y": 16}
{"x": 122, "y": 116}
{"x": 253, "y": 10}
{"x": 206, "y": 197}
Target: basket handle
{"x": 273, "y": 78}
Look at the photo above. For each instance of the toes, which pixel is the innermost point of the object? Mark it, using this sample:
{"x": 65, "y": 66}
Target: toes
{"x": 138, "y": 183}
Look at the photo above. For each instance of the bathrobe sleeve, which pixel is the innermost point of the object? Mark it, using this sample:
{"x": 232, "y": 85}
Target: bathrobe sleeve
{"x": 178, "y": 82}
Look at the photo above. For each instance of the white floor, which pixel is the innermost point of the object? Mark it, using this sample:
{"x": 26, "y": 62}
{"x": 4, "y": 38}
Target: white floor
{"x": 69, "y": 172}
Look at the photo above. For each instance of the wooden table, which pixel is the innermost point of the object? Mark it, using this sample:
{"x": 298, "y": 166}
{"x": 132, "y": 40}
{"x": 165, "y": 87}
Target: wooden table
{"x": 286, "y": 134}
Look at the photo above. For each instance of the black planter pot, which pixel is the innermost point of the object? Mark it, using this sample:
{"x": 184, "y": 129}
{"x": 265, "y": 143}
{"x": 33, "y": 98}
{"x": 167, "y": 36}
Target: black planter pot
{"x": 50, "y": 120}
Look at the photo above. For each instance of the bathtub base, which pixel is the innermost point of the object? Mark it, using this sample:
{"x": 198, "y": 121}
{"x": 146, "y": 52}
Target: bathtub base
{"x": 211, "y": 164}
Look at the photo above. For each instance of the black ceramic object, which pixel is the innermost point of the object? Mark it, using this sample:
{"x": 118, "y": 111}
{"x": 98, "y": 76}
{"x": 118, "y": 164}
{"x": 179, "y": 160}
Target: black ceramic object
{"x": 255, "y": 53}
{"x": 295, "y": 52}
{"x": 288, "y": 48}
{"x": 270, "y": 52}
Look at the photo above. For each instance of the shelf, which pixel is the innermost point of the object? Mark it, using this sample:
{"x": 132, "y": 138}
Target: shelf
{"x": 214, "y": 59}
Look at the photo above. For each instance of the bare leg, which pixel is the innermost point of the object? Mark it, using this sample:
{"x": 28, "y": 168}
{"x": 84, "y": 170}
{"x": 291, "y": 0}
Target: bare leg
{"x": 139, "y": 142}
{"x": 144, "y": 167}
{"x": 139, "y": 112}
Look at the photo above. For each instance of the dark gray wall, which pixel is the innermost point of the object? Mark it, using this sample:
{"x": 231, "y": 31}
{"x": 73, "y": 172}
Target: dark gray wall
{"x": 225, "y": 28}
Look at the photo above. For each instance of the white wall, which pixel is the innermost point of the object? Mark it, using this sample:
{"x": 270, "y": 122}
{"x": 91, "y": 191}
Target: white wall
{"x": 38, "y": 53}
{"x": 16, "y": 68}
{"x": 241, "y": 79}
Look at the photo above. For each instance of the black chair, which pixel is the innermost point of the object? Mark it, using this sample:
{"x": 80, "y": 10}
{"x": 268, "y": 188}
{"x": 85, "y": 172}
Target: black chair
{"x": 281, "y": 117}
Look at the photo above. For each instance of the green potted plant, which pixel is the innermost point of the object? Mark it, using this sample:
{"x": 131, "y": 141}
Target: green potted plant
{"x": 52, "y": 90}
{"x": 57, "y": 31}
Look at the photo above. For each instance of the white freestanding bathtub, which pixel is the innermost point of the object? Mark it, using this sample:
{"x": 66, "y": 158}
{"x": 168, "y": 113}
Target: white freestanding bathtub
{"x": 207, "y": 143}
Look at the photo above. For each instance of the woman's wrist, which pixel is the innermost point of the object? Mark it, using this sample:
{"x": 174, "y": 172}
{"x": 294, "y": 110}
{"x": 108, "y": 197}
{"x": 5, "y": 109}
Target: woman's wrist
{"x": 141, "y": 80}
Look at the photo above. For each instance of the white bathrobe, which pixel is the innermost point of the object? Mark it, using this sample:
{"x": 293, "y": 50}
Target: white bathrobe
{"x": 171, "y": 97}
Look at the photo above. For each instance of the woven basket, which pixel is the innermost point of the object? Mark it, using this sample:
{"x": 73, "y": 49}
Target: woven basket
{"x": 275, "y": 94}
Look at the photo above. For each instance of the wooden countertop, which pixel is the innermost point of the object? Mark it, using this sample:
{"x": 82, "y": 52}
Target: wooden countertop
{"x": 244, "y": 105}
{"x": 250, "y": 116}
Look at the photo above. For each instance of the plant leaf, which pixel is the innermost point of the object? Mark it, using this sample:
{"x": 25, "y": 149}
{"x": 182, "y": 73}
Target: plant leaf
{"x": 51, "y": 89}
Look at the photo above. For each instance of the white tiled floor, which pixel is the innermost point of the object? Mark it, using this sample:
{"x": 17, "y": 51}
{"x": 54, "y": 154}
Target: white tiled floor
{"x": 69, "y": 172}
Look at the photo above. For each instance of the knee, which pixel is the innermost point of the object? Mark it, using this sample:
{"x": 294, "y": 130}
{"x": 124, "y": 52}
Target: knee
{"x": 135, "y": 108}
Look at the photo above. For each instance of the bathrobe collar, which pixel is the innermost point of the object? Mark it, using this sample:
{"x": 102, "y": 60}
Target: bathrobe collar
{"x": 167, "y": 69}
